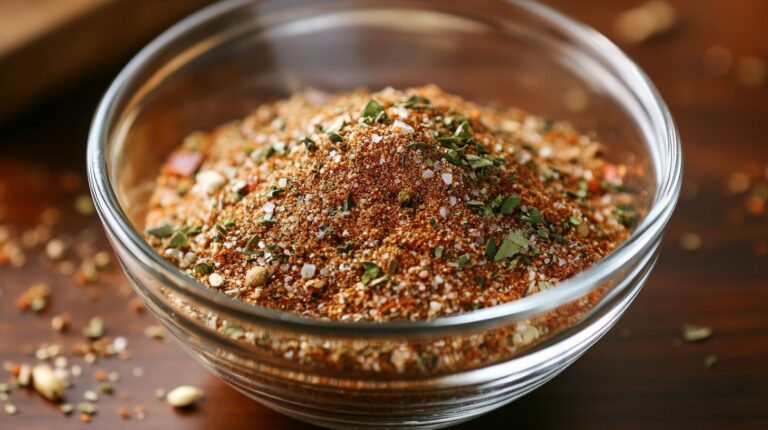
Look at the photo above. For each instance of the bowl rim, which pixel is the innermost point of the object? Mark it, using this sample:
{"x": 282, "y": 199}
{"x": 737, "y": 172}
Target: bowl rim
{"x": 121, "y": 229}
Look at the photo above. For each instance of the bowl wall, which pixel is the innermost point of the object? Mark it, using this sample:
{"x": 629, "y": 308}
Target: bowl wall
{"x": 221, "y": 63}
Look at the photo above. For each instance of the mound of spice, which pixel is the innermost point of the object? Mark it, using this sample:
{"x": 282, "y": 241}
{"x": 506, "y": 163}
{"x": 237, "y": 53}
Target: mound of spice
{"x": 393, "y": 205}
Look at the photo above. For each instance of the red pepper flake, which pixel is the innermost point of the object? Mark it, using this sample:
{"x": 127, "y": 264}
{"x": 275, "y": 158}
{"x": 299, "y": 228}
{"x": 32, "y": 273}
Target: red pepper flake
{"x": 183, "y": 163}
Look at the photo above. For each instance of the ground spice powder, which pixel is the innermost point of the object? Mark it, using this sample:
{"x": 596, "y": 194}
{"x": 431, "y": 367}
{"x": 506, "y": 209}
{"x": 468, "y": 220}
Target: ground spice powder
{"x": 394, "y": 205}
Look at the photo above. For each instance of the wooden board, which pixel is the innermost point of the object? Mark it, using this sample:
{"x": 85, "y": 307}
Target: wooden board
{"x": 48, "y": 44}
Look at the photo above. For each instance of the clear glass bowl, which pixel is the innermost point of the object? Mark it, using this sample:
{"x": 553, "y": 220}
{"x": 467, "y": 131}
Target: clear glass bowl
{"x": 220, "y": 63}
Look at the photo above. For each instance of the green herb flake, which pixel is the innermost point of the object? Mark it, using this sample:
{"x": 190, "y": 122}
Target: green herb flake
{"x": 509, "y": 205}
{"x": 439, "y": 251}
{"x": 403, "y": 197}
{"x": 543, "y": 233}
{"x": 344, "y": 249}
{"x": 268, "y": 219}
{"x": 463, "y": 260}
{"x": 263, "y": 153}
{"x": 626, "y": 214}
{"x": 374, "y": 112}
{"x": 452, "y": 157}
{"x": 203, "y": 269}
{"x": 512, "y": 244}
{"x": 416, "y": 102}
{"x": 371, "y": 271}
{"x": 273, "y": 191}
{"x": 695, "y": 333}
{"x": 479, "y": 279}
{"x": 335, "y": 138}
{"x": 533, "y": 216}
{"x": 490, "y": 248}
{"x": 309, "y": 143}
{"x": 178, "y": 240}
{"x": 477, "y": 162}
{"x": 253, "y": 242}
{"x": 162, "y": 231}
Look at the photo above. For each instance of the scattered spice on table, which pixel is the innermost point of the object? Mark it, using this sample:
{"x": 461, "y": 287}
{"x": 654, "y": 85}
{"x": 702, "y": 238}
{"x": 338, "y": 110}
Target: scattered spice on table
{"x": 696, "y": 333}
{"x": 648, "y": 20}
{"x": 691, "y": 241}
{"x": 711, "y": 360}
{"x": 50, "y": 371}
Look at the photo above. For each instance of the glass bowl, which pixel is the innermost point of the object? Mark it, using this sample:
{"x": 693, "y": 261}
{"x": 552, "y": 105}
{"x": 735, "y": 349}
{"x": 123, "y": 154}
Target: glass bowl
{"x": 221, "y": 62}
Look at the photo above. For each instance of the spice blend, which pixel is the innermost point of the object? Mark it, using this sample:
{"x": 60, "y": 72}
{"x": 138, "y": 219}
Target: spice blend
{"x": 395, "y": 205}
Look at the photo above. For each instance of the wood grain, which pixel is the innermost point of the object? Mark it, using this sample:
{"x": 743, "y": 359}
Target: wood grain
{"x": 46, "y": 45}
{"x": 644, "y": 381}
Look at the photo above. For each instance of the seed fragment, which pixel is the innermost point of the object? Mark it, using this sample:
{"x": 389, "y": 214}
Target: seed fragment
{"x": 256, "y": 276}
{"x": 95, "y": 328}
{"x": 60, "y": 322}
{"x": 67, "y": 408}
{"x": 155, "y": 332}
{"x": 46, "y": 383}
{"x": 183, "y": 396}
{"x": 91, "y": 396}
{"x": 35, "y": 298}
{"x": 695, "y": 333}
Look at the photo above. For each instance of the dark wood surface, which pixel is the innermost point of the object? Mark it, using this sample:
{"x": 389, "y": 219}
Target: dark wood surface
{"x": 72, "y": 38}
{"x": 639, "y": 376}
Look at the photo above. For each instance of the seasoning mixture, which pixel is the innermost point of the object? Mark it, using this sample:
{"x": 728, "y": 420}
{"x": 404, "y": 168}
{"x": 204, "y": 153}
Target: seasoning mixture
{"x": 393, "y": 205}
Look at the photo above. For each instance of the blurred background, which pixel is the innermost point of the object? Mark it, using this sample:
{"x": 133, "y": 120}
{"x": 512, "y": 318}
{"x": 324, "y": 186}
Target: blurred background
{"x": 708, "y": 58}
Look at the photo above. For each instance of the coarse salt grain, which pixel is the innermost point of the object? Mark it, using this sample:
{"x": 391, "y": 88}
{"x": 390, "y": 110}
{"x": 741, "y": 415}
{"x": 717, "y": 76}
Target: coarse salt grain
{"x": 404, "y": 127}
{"x": 120, "y": 344}
{"x": 427, "y": 174}
{"x": 215, "y": 280}
{"x": 375, "y": 138}
{"x": 268, "y": 208}
{"x": 209, "y": 181}
{"x": 447, "y": 178}
{"x": 308, "y": 271}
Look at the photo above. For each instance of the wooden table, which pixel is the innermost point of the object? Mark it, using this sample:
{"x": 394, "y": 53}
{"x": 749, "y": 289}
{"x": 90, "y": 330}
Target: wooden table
{"x": 638, "y": 376}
